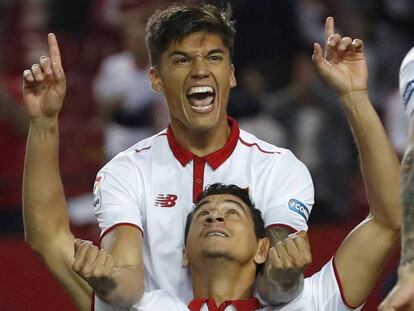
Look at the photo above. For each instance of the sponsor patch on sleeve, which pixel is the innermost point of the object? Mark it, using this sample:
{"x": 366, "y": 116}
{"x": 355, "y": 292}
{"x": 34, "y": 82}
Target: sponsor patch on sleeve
{"x": 406, "y": 96}
{"x": 97, "y": 190}
{"x": 299, "y": 208}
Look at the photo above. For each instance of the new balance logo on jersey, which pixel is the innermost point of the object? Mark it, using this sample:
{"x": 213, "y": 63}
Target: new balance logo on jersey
{"x": 165, "y": 200}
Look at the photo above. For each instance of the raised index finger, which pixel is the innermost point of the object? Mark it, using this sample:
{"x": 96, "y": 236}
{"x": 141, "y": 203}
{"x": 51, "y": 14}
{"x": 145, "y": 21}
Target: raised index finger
{"x": 329, "y": 28}
{"x": 54, "y": 50}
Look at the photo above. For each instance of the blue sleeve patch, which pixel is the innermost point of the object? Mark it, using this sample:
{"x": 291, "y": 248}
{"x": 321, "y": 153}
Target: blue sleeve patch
{"x": 407, "y": 93}
{"x": 299, "y": 208}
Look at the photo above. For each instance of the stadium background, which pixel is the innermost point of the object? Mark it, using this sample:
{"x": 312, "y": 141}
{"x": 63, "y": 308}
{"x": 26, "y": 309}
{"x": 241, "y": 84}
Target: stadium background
{"x": 279, "y": 97}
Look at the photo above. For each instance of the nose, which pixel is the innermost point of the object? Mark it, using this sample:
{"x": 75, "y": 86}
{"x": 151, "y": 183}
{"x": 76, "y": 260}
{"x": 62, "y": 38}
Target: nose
{"x": 214, "y": 216}
{"x": 199, "y": 69}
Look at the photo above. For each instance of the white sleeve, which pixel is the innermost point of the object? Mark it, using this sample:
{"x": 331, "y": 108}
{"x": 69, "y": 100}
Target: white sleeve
{"x": 326, "y": 290}
{"x": 289, "y": 193}
{"x": 407, "y": 83}
{"x": 119, "y": 194}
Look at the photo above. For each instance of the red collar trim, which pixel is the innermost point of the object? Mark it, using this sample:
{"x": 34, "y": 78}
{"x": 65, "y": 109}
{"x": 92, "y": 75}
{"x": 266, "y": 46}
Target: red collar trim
{"x": 214, "y": 159}
{"x": 250, "y": 304}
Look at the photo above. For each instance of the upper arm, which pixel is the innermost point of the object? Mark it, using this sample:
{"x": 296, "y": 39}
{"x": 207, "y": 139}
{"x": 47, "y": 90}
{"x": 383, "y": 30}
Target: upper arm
{"x": 361, "y": 258}
{"x": 124, "y": 243}
{"x": 287, "y": 193}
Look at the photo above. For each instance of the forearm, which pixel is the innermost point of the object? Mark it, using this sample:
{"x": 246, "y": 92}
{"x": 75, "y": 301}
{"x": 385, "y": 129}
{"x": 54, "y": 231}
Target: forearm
{"x": 280, "y": 288}
{"x": 43, "y": 197}
{"x": 126, "y": 289}
{"x": 378, "y": 160}
{"x": 280, "y": 280}
{"x": 407, "y": 199}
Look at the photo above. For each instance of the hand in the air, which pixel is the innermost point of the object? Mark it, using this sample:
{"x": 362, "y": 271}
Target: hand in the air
{"x": 44, "y": 84}
{"x": 343, "y": 63}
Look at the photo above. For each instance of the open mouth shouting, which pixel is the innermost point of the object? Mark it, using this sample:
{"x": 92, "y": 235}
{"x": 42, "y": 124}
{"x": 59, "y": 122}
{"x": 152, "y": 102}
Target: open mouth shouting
{"x": 201, "y": 98}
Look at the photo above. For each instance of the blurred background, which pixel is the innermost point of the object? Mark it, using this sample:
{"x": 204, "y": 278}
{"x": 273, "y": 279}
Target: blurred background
{"x": 109, "y": 106}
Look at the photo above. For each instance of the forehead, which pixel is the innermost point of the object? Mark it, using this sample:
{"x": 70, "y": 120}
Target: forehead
{"x": 218, "y": 200}
{"x": 198, "y": 42}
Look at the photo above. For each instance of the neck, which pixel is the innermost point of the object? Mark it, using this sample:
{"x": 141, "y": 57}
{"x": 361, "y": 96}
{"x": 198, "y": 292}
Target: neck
{"x": 222, "y": 279}
{"x": 201, "y": 142}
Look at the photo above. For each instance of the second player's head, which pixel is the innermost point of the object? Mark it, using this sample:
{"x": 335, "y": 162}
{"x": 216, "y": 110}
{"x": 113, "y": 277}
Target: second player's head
{"x": 225, "y": 225}
{"x": 190, "y": 48}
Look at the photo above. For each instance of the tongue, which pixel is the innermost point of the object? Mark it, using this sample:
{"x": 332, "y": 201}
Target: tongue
{"x": 199, "y": 101}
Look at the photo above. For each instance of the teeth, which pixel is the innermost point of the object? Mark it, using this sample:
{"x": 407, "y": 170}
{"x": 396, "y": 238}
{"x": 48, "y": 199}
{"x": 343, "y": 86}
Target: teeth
{"x": 202, "y": 108}
{"x": 200, "y": 89}
{"x": 217, "y": 234}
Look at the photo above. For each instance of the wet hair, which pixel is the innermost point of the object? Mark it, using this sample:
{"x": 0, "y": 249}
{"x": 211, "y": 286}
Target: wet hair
{"x": 242, "y": 194}
{"x": 181, "y": 20}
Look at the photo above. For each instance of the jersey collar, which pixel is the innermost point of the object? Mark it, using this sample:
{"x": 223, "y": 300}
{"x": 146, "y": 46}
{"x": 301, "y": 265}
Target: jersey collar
{"x": 250, "y": 304}
{"x": 214, "y": 159}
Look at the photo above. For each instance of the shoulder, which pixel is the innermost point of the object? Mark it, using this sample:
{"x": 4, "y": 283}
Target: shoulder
{"x": 138, "y": 154}
{"x": 270, "y": 154}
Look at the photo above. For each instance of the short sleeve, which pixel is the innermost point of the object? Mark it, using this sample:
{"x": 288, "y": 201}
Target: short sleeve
{"x": 407, "y": 83}
{"x": 118, "y": 194}
{"x": 326, "y": 290}
{"x": 289, "y": 193}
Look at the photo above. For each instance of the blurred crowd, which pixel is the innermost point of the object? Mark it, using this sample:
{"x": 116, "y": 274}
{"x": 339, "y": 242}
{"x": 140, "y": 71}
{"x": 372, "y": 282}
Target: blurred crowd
{"x": 109, "y": 103}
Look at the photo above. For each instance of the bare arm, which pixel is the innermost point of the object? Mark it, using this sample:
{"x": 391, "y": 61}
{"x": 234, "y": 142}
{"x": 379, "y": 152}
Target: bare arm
{"x": 45, "y": 220}
{"x": 115, "y": 271}
{"x": 402, "y": 295}
{"x": 281, "y": 279}
{"x": 361, "y": 257}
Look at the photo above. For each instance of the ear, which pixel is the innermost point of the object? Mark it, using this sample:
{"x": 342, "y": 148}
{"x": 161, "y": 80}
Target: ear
{"x": 156, "y": 82}
{"x": 262, "y": 250}
{"x": 185, "y": 262}
{"x": 233, "y": 82}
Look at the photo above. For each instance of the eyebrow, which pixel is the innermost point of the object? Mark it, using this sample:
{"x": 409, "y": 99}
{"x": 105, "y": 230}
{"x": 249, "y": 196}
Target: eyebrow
{"x": 182, "y": 53}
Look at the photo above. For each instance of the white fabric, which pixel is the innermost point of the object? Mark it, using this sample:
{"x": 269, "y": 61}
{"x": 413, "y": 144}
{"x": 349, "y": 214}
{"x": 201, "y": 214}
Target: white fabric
{"x": 321, "y": 292}
{"x": 407, "y": 82}
{"x": 129, "y": 185}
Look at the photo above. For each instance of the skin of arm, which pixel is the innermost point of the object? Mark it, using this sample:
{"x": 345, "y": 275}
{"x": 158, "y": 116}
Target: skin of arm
{"x": 46, "y": 222}
{"x": 281, "y": 279}
{"x": 362, "y": 255}
{"x": 401, "y": 296}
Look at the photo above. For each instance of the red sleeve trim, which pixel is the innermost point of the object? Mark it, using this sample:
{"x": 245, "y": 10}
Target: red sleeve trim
{"x": 282, "y": 226}
{"x": 109, "y": 229}
{"x": 257, "y": 146}
{"x": 93, "y": 301}
{"x": 341, "y": 290}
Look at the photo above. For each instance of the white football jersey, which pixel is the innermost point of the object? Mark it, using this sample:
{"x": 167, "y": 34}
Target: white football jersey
{"x": 153, "y": 185}
{"x": 407, "y": 82}
{"x": 321, "y": 292}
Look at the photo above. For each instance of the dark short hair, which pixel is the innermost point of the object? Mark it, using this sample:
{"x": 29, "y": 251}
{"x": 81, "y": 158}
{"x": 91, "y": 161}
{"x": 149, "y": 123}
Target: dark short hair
{"x": 242, "y": 194}
{"x": 180, "y": 20}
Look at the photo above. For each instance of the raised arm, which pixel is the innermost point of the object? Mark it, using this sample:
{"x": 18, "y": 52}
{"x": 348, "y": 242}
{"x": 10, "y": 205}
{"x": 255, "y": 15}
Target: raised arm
{"x": 114, "y": 272}
{"x": 362, "y": 255}
{"x": 46, "y": 222}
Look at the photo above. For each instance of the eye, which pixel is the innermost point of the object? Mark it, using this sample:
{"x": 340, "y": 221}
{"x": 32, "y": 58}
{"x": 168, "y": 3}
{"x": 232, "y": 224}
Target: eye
{"x": 233, "y": 211}
{"x": 215, "y": 58}
{"x": 181, "y": 60}
{"x": 202, "y": 214}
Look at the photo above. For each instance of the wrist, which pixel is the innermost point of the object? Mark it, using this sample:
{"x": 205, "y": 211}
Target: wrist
{"x": 354, "y": 97}
{"x": 44, "y": 124}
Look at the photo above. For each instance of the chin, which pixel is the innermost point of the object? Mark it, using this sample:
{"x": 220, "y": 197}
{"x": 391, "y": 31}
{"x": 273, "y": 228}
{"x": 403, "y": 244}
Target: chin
{"x": 217, "y": 254}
